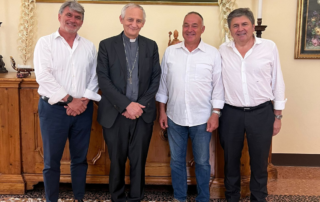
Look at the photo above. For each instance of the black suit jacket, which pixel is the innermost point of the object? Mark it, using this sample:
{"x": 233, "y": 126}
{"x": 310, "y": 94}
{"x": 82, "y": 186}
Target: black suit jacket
{"x": 112, "y": 78}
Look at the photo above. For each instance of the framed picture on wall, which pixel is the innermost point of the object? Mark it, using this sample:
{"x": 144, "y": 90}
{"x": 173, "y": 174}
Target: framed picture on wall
{"x": 162, "y": 2}
{"x": 307, "y": 44}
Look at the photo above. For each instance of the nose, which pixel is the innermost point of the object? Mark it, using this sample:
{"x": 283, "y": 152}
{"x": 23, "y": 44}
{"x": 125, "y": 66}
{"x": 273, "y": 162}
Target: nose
{"x": 134, "y": 24}
{"x": 240, "y": 28}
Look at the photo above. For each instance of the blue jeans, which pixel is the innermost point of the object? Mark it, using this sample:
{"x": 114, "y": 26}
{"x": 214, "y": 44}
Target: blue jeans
{"x": 178, "y": 141}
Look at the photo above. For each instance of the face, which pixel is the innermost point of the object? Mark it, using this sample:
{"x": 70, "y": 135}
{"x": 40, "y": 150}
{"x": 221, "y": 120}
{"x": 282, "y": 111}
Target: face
{"x": 192, "y": 29}
{"x": 241, "y": 29}
{"x": 70, "y": 21}
{"x": 132, "y": 22}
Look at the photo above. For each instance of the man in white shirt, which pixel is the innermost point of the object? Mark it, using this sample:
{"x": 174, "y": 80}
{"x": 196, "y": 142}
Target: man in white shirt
{"x": 191, "y": 86}
{"x": 252, "y": 78}
{"x": 65, "y": 68}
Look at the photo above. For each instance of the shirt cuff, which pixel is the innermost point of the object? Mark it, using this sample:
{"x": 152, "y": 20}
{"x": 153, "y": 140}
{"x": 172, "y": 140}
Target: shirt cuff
{"x": 58, "y": 96}
{"x": 92, "y": 95}
{"x": 161, "y": 98}
{"x": 279, "y": 105}
{"x": 217, "y": 104}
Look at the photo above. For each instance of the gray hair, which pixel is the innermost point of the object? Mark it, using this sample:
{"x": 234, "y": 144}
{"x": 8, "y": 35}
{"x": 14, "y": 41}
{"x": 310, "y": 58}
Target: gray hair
{"x": 241, "y": 12}
{"x": 196, "y": 13}
{"x": 74, "y": 6}
{"x": 132, "y": 5}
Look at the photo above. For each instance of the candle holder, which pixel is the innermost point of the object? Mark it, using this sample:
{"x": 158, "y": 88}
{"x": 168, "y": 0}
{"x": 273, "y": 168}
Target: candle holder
{"x": 259, "y": 28}
{"x": 2, "y": 64}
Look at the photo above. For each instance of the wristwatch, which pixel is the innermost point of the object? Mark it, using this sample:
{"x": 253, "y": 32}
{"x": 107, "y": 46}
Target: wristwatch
{"x": 216, "y": 112}
{"x": 278, "y": 116}
{"x": 69, "y": 99}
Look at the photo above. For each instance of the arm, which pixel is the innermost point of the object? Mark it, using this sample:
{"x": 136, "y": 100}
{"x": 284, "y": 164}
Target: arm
{"x": 278, "y": 88}
{"x": 92, "y": 86}
{"x": 43, "y": 71}
{"x": 155, "y": 79}
{"x": 116, "y": 98}
{"x": 162, "y": 94}
{"x": 217, "y": 97}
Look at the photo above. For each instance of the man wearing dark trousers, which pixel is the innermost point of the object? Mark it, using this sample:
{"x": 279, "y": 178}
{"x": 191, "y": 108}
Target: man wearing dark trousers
{"x": 65, "y": 68}
{"x": 252, "y": 79}
{"x": 128, "y": 74}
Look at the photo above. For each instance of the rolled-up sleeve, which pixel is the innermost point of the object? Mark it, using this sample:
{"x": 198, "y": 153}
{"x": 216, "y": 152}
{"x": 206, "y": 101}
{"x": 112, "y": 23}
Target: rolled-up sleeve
{"x": 93, "y": 87}
{"x": 278, "y": 86}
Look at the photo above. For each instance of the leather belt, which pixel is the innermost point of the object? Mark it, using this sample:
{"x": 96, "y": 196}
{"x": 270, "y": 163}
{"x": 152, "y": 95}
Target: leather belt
{"x": 46, "y": 99}
{"x": 251, "y": 108}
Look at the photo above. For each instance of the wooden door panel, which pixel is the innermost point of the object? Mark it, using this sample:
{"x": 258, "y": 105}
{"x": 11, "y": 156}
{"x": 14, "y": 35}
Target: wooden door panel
{"x": 32, "y": 147}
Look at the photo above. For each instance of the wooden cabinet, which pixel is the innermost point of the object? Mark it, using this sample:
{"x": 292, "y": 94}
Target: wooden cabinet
{"x": 21, "y": 150}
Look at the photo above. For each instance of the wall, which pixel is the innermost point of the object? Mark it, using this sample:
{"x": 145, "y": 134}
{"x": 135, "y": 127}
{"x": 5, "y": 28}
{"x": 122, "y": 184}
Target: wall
{"x": 299, "y": 133}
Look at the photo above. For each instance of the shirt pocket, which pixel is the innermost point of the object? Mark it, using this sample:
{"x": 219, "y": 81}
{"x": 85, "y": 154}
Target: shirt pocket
{"x": 203, "y": 72}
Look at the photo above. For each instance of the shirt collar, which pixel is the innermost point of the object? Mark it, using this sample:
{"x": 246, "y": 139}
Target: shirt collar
{"x": 257, "y": 41}
{"x": 128, "y": 39}
{"x": 57, "y": 34}
{"x": 201, "y": 46}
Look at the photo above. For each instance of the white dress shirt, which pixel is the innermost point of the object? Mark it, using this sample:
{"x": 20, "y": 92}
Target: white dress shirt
{"x": 191, "y": 83}
{"x": 254, "y": 79}
{"x": 62, "y": 70}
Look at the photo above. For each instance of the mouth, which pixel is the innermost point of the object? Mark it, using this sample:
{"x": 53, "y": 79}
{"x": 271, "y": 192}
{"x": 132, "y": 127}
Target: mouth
{"x": 191, "y": 34}
{"x": 241, "y": 34}
{"x": 72, "y": 25}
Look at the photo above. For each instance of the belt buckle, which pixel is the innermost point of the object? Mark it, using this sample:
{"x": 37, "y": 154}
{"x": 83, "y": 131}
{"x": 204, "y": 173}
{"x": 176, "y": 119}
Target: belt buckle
{"x": 246, "y": 108}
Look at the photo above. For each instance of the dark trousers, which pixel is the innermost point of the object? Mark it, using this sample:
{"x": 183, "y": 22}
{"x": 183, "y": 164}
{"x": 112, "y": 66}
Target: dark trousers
{"x": 56, "y": 127}
{"x": 127, "y": 139}
{"x": 257, "y": 123}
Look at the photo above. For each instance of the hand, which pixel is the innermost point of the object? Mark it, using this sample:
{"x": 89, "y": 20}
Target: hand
{"x": 70, "y": 112}
{"x": 85, "y": 101}
{"x": 128, "y": 116}
{"x": 77, "y": 105}
{"x": 276, "y": 126}
{"x": 213, "y": 122}
{"x": 135, "y": 109}
{"x": 163, "y": 120}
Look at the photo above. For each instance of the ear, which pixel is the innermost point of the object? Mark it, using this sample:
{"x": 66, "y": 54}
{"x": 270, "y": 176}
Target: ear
{"x": 203, "y": 28}
{"x": 143, "y": 23}
{"x": 121, "y": 20}
{"x": 59, "y": 17}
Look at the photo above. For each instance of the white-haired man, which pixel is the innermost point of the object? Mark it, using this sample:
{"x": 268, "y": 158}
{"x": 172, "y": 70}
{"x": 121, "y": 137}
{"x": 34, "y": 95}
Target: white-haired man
{"x": 65, "y": 68}
{"x": 128, "y": 75}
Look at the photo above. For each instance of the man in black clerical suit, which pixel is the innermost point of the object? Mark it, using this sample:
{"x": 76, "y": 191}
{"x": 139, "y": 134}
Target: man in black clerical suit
{"x": 128, "y": 74}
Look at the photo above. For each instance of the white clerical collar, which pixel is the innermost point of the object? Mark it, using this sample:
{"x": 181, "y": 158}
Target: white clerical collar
{"x": 133, "y": 40}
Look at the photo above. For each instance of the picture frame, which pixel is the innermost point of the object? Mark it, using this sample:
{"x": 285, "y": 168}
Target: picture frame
{"x": 307, "y": 40}
{"x": 163, "y": 2}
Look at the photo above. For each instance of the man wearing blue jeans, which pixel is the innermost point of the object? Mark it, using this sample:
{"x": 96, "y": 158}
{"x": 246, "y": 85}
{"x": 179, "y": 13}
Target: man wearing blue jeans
{"x": 191, "y": 86}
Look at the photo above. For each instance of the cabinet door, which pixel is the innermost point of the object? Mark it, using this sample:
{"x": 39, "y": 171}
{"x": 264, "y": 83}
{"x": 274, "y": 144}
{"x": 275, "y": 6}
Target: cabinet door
{"x": 32, "y": 148}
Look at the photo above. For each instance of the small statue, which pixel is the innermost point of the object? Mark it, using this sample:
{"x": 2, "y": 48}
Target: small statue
{"x": 175, "y": 40}
{"x": 2, "y": 64}
{"x": 22, "y": 72}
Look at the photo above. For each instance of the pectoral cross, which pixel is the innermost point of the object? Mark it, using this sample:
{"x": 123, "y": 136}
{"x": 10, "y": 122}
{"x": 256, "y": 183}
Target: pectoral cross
{"x": 130, "y": 80}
